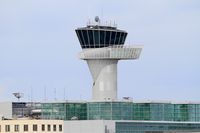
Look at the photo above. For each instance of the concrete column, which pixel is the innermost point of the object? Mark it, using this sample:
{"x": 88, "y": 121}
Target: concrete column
{"x": 104, "y": 74}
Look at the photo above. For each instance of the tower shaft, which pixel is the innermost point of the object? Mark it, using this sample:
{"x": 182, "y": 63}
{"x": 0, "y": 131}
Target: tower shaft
{"x": 104, "y": 74}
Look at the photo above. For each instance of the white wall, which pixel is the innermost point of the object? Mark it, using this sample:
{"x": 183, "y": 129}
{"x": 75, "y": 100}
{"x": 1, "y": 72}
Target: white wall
{"x": 88, "y": 126}
{"x": 6, "y": 110}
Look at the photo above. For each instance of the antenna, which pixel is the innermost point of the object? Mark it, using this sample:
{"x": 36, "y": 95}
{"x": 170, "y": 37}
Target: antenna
{"x": 64, "y": 94}
{"x": 55, "y": 94}
{"x": 31, "y": 94}
{"x": 18, "y": 95}
{"x": 102, "y": 17}
{"x": 45, "y": 96}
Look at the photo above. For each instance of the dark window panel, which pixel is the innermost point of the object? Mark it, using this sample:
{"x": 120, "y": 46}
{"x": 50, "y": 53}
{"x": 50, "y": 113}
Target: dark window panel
{"x": 117, "y": 38}
{"x": 43, "y": 127}
{"x": 121, "y": 38}
{"x": 60, "y": 128}
{"x": 112, "y": 37}
{"x": 78, "y": 35}
{"x": 90, "y": 34}
{"x": 123, "y": 41}
{"x": 85, "y": 37}
{"x": 35, "y": 128}
{"x": 96, "y": 38}
{"x": 25, "y": 127}
{"x": 81, "y": 38}
{"x": 102, "y": 37}
{"x": 49, "y": 127}
{"x": 88, "y": 38}
{"x": 107, "y": 37}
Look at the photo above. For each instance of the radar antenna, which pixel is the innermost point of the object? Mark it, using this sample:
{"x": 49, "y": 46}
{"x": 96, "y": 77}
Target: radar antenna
{"x": 97, "y": 19}
{"x": 18, "y": 95}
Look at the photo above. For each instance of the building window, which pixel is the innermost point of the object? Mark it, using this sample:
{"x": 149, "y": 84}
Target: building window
{"x": 85, "y": 37}
{"x": 91, "y": 38}
{"x": 107, "y": 38}
{"x": 96, "y": 38}
{"x": 54, "y": 127}
{"x": 16, "y": 128}
{"x": 7, "y": 128}
{"x": 49, "y": 127}
{"x": 60, "y": 128}
{"x": 79, "y": 34}
{"x": 34, "y": 127}
{"x": 43, "y": 127}
{"x": 25, "y": 128}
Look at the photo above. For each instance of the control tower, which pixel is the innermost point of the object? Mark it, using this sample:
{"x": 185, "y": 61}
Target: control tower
{"x": 102, "y": 48}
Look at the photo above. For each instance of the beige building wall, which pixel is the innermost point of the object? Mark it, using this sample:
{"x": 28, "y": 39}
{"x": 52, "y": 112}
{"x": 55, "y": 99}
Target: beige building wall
{"x": 49, "y": 126}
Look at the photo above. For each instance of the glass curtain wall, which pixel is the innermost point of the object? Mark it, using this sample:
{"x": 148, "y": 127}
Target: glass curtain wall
{"x": 64, "y": 111}
{"x": 145, "y": 127}
{"x": 121, "y": 111}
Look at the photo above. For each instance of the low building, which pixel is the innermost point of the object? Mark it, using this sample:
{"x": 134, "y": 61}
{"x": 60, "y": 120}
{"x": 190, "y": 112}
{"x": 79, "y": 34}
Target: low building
{"x": 36, "y": 126}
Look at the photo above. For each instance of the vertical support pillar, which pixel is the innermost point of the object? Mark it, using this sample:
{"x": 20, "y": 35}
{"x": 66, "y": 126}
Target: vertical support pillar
{"x": 104, "y": 74}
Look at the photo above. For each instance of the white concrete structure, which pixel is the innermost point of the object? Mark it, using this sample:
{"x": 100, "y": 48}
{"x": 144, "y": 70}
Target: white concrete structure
{"x": 88, "y": 126}
{"x": 6, "y": 110}
{"x": 125, "y": 126}
{"x": 103, "y": 46}
{"x": 102, "y": 63}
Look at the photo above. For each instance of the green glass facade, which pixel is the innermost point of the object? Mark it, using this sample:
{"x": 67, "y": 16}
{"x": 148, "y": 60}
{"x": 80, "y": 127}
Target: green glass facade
{"x": 155, "y": 127}
{"x": 109, "y": 110}
{"x": 122, "y": 111}
{"x": 64, "y": 111}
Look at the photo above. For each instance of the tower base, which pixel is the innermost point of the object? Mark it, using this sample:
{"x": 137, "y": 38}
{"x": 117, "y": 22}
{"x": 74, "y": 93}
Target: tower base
{"x": 104, "y": 74}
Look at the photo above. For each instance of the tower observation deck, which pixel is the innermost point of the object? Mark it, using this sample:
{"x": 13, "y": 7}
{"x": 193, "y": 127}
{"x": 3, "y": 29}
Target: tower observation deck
{"x": 103, "y": 45}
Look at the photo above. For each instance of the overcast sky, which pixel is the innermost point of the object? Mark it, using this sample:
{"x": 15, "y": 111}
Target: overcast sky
{"x": 39, "y": 48}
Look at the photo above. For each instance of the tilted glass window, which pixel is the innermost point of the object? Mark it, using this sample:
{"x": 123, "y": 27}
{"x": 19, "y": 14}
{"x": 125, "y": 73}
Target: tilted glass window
{"x": 121, "y": 38}
{"x": 113, "y": 35}
{"x": 124, "y": 38}
{"x": 107, "y": 37}
{"x": 91, "y": 38}
{"x": 117, "y": 38}
{"x": 81, "y": 38}
{"x": 102, "y": 38}
{"x": 78, "y": 33}
{"x": 96, "y": 37}
{"x": 85, "y": 37}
